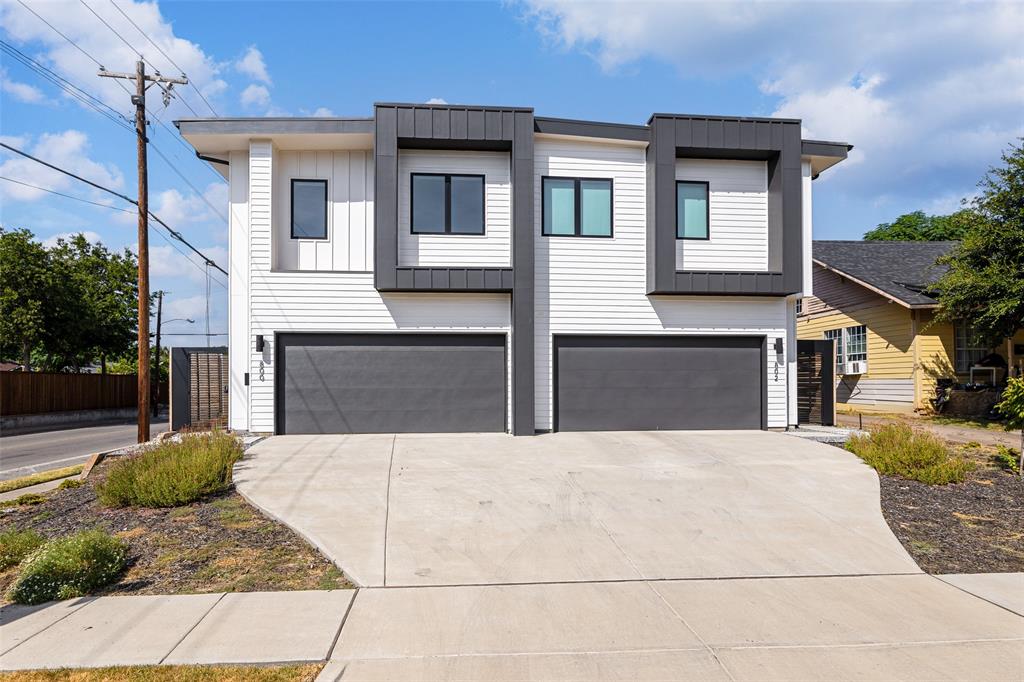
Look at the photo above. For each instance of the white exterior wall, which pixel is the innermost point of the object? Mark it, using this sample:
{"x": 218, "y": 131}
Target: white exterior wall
{"x": 283, "y": 301}
{"x": 738, "y": 204}
{"x": 807, "y": 234}
{"x": 588, "y": 286}
{"x": 491, "y": 249}
{"x": 349, "y": 243}
{"x": 238, "y": 290}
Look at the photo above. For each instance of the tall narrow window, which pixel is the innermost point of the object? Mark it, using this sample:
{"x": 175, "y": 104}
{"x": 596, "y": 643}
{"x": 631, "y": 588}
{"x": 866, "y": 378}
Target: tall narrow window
{"x": 309, "y": 209}
{"x": 857, "y": 343}
{"x": 693, "y": 214}
{"x": 967, "y": 346}
{"x": 837, "y": 336}
{"x": 576, "y": 207}
{"x": 447, "y": 204}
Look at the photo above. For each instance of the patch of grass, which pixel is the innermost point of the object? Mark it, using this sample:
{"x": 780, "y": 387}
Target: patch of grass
{"x": 970, "y": 422}
{"x": 41, "y": 477}
{"x": 69, "y": 567}
{"x": 15, "y": 545}
{"x": 26, "y": 499}
{"x": 70, "y": 483}
{"x": 898, "y": 450}
{"x": 172, "y": 474}
{"x": 923, "y": 546}
{"x": 1007, "y": 458}
{"x": 174, "y": 673}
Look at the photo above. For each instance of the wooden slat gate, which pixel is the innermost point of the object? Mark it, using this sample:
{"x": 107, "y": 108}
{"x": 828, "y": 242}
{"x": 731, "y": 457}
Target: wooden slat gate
{"x": 816, "y": 372}
{"x": 199, "y": 387}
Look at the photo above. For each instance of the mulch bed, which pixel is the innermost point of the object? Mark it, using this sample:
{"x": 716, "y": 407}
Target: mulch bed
{"x": 218, "y": 544}
{"x": 972, "y": 527}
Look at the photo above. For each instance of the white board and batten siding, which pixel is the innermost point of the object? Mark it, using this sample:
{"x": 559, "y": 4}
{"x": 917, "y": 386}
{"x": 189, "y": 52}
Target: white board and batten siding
{"x": 738, "y": 206}
{"x": 349, "y": 243}
{"x": 491, "y": 249}
{"x": 598, "y": 286}
{"x": 321, "y": 300}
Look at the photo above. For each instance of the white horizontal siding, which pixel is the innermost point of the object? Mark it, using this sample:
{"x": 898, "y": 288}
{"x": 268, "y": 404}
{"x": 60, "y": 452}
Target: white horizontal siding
{"x": 598, "y": 286}
{"x": 349, "y": 243}
{"x": 491, "y": 249}
{"x": 852, "y": 389}
{"x": 738, "y": 204}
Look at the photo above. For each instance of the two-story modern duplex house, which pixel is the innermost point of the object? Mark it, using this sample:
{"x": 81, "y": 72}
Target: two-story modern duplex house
{"x": 472, "y": 268}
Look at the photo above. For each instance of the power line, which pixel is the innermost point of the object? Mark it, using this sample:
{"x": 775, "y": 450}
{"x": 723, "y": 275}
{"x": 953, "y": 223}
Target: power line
{"x": 21, "y": 2}
{"x": 187, "y": 182}
{"x": 66, "y": 196}
{"x": 166, "y": 56}
{"x": 174, "y": 233}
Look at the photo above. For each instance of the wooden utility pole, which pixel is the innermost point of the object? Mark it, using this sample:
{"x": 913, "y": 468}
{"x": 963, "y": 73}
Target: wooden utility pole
{"x": 156, "y": 382}
{"x": 139, "y": 100}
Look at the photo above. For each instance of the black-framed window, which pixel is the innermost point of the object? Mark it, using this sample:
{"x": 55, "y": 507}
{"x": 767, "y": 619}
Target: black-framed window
{"x": 309, "y": 209}
{"x": 576, "y": 207}
{"x": 693, "y": 210}
{"x": 442, "y": 203}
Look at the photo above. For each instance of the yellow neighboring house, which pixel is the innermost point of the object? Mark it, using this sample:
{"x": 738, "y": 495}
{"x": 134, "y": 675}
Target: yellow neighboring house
{"x": 873, "y": 299}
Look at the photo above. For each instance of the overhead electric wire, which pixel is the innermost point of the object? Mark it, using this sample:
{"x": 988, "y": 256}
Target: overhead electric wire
{"x": 66, "y": 196}
{"x": 173, "y": 232}
{"x": 166, "y": 56}
{"x": 22, "y": 3}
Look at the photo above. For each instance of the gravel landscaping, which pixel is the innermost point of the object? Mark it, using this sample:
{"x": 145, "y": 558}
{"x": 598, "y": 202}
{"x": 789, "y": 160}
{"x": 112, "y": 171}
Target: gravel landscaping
{"x": 220, "y": 543}
{"x": 972, "y": 527}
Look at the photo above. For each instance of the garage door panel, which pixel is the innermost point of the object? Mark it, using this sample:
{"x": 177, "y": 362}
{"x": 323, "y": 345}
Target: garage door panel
{"x": 351, "y": 383}
{"x": 641, "y": 383}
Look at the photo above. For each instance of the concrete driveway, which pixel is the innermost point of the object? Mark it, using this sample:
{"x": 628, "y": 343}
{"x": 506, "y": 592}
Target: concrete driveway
{"x": 484, "y": 509}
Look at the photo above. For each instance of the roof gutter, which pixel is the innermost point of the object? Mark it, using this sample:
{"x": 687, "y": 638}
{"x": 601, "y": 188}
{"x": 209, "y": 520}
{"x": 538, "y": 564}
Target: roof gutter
{"x": 210, "y": 159}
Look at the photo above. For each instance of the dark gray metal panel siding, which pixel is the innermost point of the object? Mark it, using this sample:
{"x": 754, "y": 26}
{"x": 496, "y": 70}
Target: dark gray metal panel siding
{"x": 390, "y": 383}
{"x": 622, "y": 383}
{"x": 523, "y": 235}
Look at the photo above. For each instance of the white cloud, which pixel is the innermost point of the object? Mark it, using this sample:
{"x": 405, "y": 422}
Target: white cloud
{"x": 323, "y": 112}
{"x": 69, "y": 150}
{"x": 251, "y": 64}
{"x": 436, "y": 100}
{"x": 255, "y": 96}
{"x": 23, "y": 92}
{"x": 916, "y": 87}
{"x": 51, "y": 241}
{"x": 80, "y": 25}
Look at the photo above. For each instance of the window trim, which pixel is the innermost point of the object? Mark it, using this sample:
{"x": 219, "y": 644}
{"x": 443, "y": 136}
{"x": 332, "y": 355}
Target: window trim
{"x": 707, "y": 209}
{"x": 448, "y": 203}
{"x": 578, "y": 207}
{"x": 291, "y": 209}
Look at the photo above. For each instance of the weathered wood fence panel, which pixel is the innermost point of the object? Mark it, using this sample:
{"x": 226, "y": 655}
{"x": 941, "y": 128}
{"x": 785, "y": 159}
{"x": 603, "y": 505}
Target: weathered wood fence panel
{"x": 43, "y": 392}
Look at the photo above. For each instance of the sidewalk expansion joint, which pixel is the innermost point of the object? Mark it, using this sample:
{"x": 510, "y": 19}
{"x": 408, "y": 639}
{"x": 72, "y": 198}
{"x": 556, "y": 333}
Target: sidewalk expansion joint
{"x": 88, "y": 600}
{"x": 344, "y": 619}
{"x": 194, "y": 626}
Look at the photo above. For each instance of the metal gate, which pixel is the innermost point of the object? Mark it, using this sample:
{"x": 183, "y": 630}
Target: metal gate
{"x": 816, "y": 381}
{"x": 199, "y": 387}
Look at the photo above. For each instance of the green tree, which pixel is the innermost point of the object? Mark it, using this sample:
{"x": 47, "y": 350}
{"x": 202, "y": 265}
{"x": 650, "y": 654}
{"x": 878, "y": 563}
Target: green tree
{"x": 25, "y": 280}
{"x": 985, "y": 279}
{"x": 1012, "y": 407}
{"x": 920, "y": 227}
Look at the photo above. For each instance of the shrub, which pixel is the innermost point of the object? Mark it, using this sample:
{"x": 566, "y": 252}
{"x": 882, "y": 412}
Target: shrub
{"x": 70, "y": 483}
{"x": 26, "y": 499}
{"x": 15, "y": 545}
{"x": 1007, "y": 458}
{"x": 69, "y": 567}
{"x": 173, "y": 473}
{"x": 898, "y": 450}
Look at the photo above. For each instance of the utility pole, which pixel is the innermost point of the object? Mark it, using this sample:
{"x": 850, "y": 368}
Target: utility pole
{"x": 156, "y": 385}
{"x": 139, "y": 100}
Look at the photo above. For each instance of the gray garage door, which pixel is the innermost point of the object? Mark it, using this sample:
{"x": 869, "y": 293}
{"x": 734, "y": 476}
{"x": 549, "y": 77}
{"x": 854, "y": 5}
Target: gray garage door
{"x": 384, "y": 383}
{"x": 623, "y": 383}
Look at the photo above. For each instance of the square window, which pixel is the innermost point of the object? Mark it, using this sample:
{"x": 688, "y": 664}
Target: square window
{"x": 428, "y": 204}
{"x": 576, "y": 207}
{"x": 692, "y": 210}
{"x": 309, "y": 209}
{"x": 447, "y": 204}
{"x": 968, "y": 347}
{"x": 467, "y": 202}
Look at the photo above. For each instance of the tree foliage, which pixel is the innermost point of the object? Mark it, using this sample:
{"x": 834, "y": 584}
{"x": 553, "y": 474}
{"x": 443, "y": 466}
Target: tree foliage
{"x": 985, "y": 280}
{"x": 920, "y": 227}
{"x": 67, "y": 306}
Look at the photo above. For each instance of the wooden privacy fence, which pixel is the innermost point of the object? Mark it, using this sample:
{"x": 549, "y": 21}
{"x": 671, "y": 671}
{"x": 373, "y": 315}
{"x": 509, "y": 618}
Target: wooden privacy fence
{"x": 199, "y": 387}
{"x": 815, "y": 378}
{"x": 43, "y": 392}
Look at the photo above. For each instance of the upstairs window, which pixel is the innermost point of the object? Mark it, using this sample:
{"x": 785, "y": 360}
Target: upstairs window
{"x": 693, "y": 212}
{"x": 447, "y": 204}
{"x": 576, "y": 207}
{"x": 309, "y": 209}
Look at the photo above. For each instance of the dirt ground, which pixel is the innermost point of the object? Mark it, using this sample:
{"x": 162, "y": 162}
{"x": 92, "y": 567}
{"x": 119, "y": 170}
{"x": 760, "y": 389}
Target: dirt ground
{"x": 951, "y": 430}
{"x": 218, "y": 544}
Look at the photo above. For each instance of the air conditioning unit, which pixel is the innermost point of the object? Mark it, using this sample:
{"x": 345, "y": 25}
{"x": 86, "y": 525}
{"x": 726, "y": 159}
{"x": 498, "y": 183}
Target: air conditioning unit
{"x": 856, "y": 367}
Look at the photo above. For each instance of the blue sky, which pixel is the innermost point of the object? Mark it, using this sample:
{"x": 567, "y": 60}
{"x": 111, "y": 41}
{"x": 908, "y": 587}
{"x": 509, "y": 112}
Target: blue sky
{"x": 928, "y": 92}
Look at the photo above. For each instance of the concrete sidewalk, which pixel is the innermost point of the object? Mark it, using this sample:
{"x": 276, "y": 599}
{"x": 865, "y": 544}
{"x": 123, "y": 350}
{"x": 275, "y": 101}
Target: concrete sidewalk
{"x": 911, "y": 627}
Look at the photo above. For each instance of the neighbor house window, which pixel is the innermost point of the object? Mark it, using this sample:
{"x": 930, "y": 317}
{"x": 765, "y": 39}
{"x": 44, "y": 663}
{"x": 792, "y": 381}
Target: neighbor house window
{"x": 799, "y": 306}
{"x": 309, "y": 209}
{"x": 693, "y": 213}
{"x": 968, "y": 347}
{"x": 576, "y": 207}
{"x": 837, "y": 336}
{"x": 447, "y": 204}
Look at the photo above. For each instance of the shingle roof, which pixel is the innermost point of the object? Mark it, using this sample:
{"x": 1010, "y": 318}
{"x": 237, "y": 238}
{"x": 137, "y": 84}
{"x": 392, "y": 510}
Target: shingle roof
{"x": 903, "y": 270}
